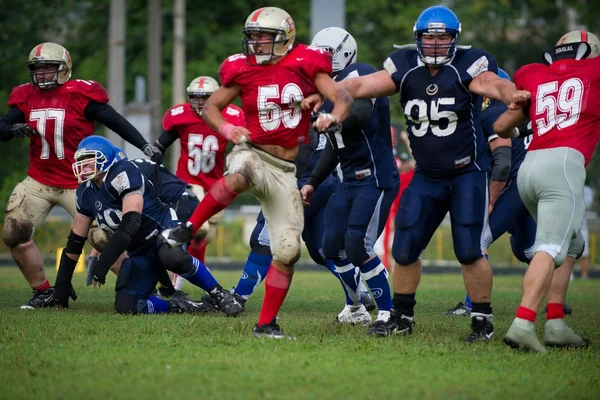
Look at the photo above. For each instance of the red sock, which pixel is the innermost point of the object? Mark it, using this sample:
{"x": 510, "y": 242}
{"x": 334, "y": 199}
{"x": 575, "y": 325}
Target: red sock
{"x": 198, "y": 249}
{"x": 526, "y": 313}
{"x": 277, "y": 285}
{"x": 555, "y": 311}
{"x": 218, "y": 198}
{"x": 43, "y": 286}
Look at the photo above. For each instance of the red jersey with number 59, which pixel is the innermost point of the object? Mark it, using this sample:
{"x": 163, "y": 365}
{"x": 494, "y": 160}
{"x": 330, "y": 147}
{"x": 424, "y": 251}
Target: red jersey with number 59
{"x": 565, "y": 104}
{"x": 202, "y": 159}
{"x": 57, "y": 117}
{"x": 271, "y": 93}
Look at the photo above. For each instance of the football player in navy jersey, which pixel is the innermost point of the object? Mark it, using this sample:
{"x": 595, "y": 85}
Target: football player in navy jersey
{"x": 441, "y": 88}
{"x": 357, "y": 212}
{"x": 257, "y": 264}
{"x": 125, "y": 203}
{"x": 507, "y": 213}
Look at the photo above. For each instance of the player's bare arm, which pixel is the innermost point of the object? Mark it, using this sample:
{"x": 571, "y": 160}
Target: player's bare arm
{"x": 211, "y": 113}
{"x": 342, "y": 101}
{"x": 508, "y": 121}
{"x": 488, "y": 84}
{"x": 369, "y": 86}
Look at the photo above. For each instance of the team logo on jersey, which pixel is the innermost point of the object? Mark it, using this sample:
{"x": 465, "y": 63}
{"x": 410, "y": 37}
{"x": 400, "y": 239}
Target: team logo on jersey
{"x": 432, "y": 89}
{"x": 98, "y": 205}
{"x": 485, "y": 104}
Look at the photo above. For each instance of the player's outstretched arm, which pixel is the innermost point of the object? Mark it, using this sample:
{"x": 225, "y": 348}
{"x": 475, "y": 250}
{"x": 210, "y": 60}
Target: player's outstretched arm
{"x": 13, "y": 125}
{"x": 488, "y": 84}
{"x": 211, "y": 113}
{"x": 131, "y": 221}
{"x": 508, "y": 121}
{"x": 166, "y": 139}
{"x": 370, "y": 86}
{"x": 63, "y": 289}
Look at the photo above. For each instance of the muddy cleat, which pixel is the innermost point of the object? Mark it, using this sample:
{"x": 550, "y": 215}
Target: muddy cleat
{"x": 521, "y": 335}
{"x": 181, "y": 303}
{"x": 384, "y": 327}
{"x": 239, "y": 298}
{"x": 482, "y": 329}
{"x": 558, "y": 334}
{"x": 224, "y": 301}
{"x": 354, "y": 315}
{"x": 40, "y": 299}
{"x": 270, "y": 331}
{"x": 460, "y": 309}
{"x": 367, "y": 301}
{"x": 166, "y": 293}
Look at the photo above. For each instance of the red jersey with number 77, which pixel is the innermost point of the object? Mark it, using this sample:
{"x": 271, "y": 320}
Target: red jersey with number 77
{"x": 565, "y": 104}
{"x": 58, "y": 118}
{"x": 202, "y": 159}
{"x": 271, "y": 93}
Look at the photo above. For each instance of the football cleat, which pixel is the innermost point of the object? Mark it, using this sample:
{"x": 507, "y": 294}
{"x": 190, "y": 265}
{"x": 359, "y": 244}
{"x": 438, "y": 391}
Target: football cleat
{"x": 181, "y": 303}
{"x": 40, "y": 299}
{"x": 367, "y": 301}
{"x": 270, "y": 331}
{"x": 165, "y": 292}
{"x": 354, "y": 315}
{"x": 521, "y": 335}
{"x": 240, "y": 299}
{"x": 223, "y": 301}
{"x": 393, "y": 325}
{"x": 460, "y": 309}
{"x": 558, "y": 334}
{"x": 482, "y": 329}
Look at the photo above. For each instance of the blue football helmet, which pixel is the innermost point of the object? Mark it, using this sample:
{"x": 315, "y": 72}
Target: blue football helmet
{"x": 94, "y": 156}
{"x": 503, "y": 74}
{"x": 120, "y": 154}
{"x": 437, "y": 20}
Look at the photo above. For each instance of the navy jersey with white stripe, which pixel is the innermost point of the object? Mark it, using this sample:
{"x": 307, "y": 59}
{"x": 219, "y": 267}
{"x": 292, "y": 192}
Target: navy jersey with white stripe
{"x": 104, "y": 203}
{"x": 442, "y": 115}
{"x": 519, "y": 145}
{"x": 170, "y": 188}
{"x": 366, "y": 155}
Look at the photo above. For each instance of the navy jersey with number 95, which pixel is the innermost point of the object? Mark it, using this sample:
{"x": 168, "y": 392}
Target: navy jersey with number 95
{"x": 442, "y": 115}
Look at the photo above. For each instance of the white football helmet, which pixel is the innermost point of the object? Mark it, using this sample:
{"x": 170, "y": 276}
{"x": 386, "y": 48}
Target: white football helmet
{"x": 340, "y": 43}
{"x": 49, "y": 54}
{"x": 271, "y": 20}
{"x": 199, "y": 90}
{"x": 582, "y": 36}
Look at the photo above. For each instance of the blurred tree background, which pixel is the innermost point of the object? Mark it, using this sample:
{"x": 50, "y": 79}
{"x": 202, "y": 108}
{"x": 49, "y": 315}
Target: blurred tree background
{"x": 516, "y": 32}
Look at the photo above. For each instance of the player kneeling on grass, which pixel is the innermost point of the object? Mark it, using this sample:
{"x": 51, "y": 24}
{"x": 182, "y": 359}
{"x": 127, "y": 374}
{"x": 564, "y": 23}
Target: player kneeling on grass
{"x": 124, "y": 202}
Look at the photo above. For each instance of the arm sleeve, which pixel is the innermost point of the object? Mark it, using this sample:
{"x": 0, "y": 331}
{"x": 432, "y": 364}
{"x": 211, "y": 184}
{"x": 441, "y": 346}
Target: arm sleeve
{"x": 166, "y": 139}
{"x": 109, "y": 117}
{"x": 14, "y": 116}
{"x": 324, "y": 167}
{"x": 360, "y": 115}
{"x": 305, "y": 153}
{"x": 502, "y": 163}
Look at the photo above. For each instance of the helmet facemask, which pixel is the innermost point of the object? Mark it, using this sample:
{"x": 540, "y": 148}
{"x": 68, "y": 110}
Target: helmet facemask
{"x": 89, "y": 164}
{"x": 436, "y": 45}
{"x": 197, "y": 102}
{"x": 261, "y": 45}
{"x": 45, "y": 75}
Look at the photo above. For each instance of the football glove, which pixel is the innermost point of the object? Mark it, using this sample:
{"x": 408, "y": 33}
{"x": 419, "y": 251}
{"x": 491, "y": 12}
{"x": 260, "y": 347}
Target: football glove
{"x": 99, "y": 271}
{"x": 22, "y": 131}
{"x": 153, "y": 153}
{"x": 62, "y": 292}
{"x": 177, "y": 236}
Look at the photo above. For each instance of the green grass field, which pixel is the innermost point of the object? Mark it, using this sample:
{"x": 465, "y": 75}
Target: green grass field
{"x": 89, "y": 352}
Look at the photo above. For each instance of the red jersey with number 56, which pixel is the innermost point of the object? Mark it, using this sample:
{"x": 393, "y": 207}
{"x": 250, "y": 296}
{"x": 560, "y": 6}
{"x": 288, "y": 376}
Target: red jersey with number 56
{"x": 202, "y": 159}
{"x": 565, "y": 105}
{"x": 57, "y": 117}
{"x": 271, "y": 93}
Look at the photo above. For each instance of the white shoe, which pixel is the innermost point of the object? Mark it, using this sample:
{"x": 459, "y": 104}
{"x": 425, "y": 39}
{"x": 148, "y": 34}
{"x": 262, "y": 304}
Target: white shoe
{"x": 558, "y": 334}
{"x": 354, "y": 315}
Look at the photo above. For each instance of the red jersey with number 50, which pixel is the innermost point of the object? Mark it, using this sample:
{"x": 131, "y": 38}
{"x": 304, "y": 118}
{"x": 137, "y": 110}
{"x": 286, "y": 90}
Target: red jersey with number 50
{"x": 202, "y": 159}
{"x": 57, "y": 117}
{"x": 271, "y": 93}
{"x": 565, "y": 106}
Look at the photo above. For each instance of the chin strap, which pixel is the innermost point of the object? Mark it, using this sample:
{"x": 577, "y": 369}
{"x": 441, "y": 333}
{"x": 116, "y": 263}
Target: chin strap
{"x": 568, "y": 51}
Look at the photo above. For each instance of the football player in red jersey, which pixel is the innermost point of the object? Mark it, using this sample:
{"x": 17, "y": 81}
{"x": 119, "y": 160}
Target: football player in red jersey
{"x": 202, "y": 159}
{"x": 566, "y": 119}
{"x": 271, "y": 77}
{"x": 56, "y": 114}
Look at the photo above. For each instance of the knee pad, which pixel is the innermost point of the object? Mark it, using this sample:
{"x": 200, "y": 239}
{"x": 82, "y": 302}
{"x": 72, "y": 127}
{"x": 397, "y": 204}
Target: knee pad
{"x": 135, "y": 282}
{"x": 247, "y": 163}
{"x": 468, "y": 254}
{"x": 576, "y": 247}
{"x": 127, "y": 302}
{"x": 355, "y": 247}
{"x": 98, "y": 238}
{"x": 287, "y": 249}
{"x": 404, "y": 249}
{"x": 17, "y": 232}
{"x": 175, "y": 260}
{"x": 522, "y": 254}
